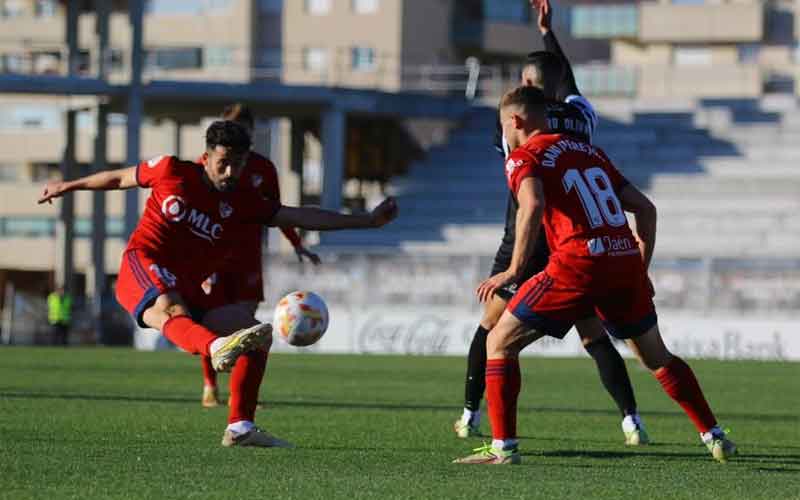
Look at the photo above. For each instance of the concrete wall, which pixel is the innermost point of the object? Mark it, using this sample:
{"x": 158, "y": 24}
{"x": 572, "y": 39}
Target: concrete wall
{"x": 338, "y": 31}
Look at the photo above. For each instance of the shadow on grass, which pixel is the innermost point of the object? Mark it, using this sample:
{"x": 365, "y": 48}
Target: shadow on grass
{"x": 350, "y": 405}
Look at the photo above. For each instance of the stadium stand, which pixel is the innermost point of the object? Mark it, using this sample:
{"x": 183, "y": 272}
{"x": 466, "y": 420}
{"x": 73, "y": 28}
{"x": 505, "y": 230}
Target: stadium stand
{"x": 723, "y": 174}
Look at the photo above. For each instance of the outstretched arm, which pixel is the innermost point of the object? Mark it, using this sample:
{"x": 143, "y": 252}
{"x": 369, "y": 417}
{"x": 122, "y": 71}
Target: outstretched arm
{"x": 568, "y": 85}
{"x": 124, "y": 178}
{"x": 645, "y": 216}
{"x": 317, "y": 219}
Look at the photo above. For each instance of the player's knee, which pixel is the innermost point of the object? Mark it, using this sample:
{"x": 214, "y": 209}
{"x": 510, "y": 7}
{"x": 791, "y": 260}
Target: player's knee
{"x": 500, "y": 344}
{"x": 163, "y": 309}
{"x": 489, "y": 321}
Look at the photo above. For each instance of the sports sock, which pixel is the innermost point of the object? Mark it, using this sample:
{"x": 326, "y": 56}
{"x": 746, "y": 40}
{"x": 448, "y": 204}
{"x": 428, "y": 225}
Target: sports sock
{"x": 503, "y": 382}
{"x": 471, "y": 417}
{"x": 475, "y": 382}
{"x": 188, "y": 335}
{"x": 209, "y": 373}
{"x": 241, "y": 427}
{"x": 613, "y": 374}
{"x": 680, "y": 384}
{"x": 245, "y": 381}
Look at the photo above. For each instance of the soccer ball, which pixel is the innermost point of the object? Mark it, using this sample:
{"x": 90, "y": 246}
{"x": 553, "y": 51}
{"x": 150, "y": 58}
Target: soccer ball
{"x": 301, "y": 318}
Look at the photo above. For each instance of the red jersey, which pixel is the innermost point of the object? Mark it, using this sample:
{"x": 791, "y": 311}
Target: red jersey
{"x": 583, "y": 218}
{"x": 190, "y": 225}
{"x": 262, "y": 175}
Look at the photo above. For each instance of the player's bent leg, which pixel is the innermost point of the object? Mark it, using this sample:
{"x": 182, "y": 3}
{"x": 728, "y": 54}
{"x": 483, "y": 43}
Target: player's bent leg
{"x": 503, "y": 381}
{"x": 679, "y": 382}
{"x": 614, "y": 376}
{"x": 475, "y": 380}
{"x": 224, "y": 320}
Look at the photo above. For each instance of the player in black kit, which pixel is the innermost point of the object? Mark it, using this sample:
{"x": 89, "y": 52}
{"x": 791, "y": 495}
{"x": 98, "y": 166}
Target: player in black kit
{"x": 568, "y": 113}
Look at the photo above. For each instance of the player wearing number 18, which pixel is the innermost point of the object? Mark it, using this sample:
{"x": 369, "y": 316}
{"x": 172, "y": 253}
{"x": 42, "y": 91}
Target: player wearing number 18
{"x": 596, "y": 266}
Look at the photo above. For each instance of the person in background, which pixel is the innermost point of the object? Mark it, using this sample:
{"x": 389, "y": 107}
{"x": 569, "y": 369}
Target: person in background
{"x": 59, "y": 315}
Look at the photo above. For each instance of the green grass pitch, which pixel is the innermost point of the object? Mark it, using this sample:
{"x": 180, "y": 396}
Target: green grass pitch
{"x": 115, "y": 423}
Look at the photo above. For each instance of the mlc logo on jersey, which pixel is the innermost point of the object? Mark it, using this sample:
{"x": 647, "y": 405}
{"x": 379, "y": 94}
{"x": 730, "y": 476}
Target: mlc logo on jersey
{"x": 174, "y": 208}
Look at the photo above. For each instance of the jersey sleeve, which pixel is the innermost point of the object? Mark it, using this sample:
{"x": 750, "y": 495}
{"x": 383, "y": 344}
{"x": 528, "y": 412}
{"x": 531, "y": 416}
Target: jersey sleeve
{"x": 271, "y": 188}
{"x": 149, "y": 172}
{"x": 518, "y": 168}
{"x": 261, "y": 210}
{"x": 586, "y": 109}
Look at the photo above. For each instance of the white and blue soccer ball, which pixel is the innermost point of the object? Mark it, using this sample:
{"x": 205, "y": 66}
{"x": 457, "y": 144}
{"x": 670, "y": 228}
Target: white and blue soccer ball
{"x": 301, "y": 318}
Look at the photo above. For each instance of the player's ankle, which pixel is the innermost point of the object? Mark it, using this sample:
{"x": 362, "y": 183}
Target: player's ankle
{"x": 505, "y": 444}
{"x": 713, "y": 433}
{"x": 241, "y": 427}
{"x": 471, "y": 417}
{"x": 631, "y": 422}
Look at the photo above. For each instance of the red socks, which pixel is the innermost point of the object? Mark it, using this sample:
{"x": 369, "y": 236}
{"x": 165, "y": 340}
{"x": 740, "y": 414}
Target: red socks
{"x": 503, "y": 381}
{"x": 209, "y": 373}
{"x": 680, "y": 384}
{"x": 244, "y": 384}
{"x": 188, "y": 335}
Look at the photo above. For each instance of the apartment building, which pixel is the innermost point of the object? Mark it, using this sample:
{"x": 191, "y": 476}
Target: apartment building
{"x": 679, "y": 49}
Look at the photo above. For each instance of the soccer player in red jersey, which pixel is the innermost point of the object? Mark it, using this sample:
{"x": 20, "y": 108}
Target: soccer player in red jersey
{"x": 597, "y": 265}
{"x": 569, "y": 113}
{"x": 238, "y": 286}
{"x": 183, "y": 236}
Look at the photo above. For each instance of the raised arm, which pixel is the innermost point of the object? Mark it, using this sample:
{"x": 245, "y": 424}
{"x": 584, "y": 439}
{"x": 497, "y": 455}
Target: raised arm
{"x": 317, "y": 219}
{"x": 123, "y": 178}
{"x": 568, "y": 85}
{"x": 645, "y": 215}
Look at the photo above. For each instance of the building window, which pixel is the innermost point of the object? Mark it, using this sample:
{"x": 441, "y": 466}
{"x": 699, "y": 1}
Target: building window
{"x": 318, "y": 7}
{"x": 604, "y": 21}
{"x": 219, "y": 56}
{"x": 45, "y": 8}
{"x": 362, "y": 58}
{"x": 692, "y": 56}
{"x": 9, "y": 172}
{"x": 185, "y": 7}
{"x": 749, "y": 53}
{"x": 12, "y": 63}
{"x": 12, "y": 8}
{"x": 365, "y": 6}
{"x": 507, "y": 11}
{"x": 30, "y": 116}
{"x": 174, "y": 58}
{"x": 315, "y": 59}
{"x": 46, "y": 63}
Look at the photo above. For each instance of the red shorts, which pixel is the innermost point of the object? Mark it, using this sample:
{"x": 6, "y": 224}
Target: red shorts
{"x": 143, "y": 277}
{"x": 622, "y": 298}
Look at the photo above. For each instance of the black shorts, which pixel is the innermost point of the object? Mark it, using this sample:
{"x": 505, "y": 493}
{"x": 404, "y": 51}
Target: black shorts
{"x": 536, "y": 264}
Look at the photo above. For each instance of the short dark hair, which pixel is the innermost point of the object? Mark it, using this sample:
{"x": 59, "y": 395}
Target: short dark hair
{"x": 228, "y": 134}
{"x": 240, "y": 113}
{"x": 530, "y": 99}
{"x": 546, "y": 63}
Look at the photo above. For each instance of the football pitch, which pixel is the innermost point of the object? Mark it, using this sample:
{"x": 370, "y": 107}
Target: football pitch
{"x": 115, "y": 423}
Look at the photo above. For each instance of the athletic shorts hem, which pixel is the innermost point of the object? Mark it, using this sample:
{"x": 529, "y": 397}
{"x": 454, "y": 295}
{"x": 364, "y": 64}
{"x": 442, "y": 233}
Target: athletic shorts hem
{"x": 147, "y": 300}
{"x": 632, "y": 330}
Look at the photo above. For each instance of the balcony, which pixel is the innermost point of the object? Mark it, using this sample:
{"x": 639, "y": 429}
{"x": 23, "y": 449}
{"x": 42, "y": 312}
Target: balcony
{"x": 729, "y": 22}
